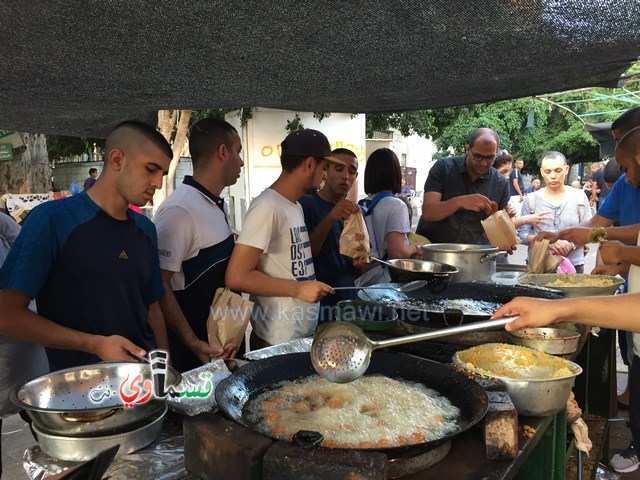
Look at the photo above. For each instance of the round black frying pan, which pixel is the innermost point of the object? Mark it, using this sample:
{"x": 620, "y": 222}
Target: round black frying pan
{"x": 251, "y": 379}
{"x": 482, "y": 291}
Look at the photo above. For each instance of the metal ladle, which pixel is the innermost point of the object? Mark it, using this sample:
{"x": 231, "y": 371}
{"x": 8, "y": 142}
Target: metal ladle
{"x": 341, "y": 352}
{"x": 384, "y": 262}
{"x": 407, "y": 287}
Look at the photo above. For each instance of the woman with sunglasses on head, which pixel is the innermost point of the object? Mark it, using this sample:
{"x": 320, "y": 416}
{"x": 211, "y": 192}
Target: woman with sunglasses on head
{"x": 565, "y": 206}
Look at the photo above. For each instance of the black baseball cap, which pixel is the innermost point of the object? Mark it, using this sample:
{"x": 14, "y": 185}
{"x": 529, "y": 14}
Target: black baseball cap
{"x": 308, "y": 143}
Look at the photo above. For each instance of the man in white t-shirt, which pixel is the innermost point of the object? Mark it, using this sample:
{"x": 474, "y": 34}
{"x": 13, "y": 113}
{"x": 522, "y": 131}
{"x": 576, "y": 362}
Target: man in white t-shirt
{"x": 195, "y": 242}
{"x": 272, "y": 259}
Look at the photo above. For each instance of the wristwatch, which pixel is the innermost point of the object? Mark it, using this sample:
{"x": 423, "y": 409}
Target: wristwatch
{"x": 597, "y": 235}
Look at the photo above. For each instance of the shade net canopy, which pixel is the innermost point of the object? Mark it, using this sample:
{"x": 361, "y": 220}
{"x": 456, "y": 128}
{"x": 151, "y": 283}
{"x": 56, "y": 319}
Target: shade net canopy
{"x": 79, "y": 68}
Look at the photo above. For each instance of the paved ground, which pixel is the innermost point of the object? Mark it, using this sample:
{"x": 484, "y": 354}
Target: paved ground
{"x": 16, "y": 436}
{"x": 619, "y": 434}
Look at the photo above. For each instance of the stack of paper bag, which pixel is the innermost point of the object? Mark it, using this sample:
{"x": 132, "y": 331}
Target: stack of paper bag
{"x": 500, "y": 230}
{"x": 228, "y": 319}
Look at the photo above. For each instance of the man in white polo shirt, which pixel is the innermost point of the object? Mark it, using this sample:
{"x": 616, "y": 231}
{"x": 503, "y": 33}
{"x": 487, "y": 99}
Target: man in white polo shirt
{"x": 195, "y": 241}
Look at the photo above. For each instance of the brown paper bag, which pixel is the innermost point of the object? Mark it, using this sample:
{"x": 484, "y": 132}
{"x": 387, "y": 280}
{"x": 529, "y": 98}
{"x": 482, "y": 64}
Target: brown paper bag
{"x": 540, "y": 259}
{"x": 354, "y": 240}
{"x": 228, "y": 318}
{"x": 500, "y": 230}
{"x": 551, "y": 263}
{"x": 537, "y": 256}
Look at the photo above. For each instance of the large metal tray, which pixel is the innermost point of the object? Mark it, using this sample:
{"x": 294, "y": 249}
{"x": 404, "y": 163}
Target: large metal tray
{"x": 544, "y": 279}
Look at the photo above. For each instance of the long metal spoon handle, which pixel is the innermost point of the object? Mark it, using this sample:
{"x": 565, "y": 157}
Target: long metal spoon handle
{"x": 470, "y": 327}
{"x": 363, "y": 288}
{"x": 382, "y": 261}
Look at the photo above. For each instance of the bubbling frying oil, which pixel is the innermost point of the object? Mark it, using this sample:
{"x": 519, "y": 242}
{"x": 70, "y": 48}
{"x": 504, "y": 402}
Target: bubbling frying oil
{"x": 371, "y": 412}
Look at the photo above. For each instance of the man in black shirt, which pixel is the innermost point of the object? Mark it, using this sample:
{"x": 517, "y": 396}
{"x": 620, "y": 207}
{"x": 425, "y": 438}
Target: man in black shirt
{"x": 459, "y": 190}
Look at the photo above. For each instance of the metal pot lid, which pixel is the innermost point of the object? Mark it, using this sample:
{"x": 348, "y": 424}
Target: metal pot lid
{"x": 457, "y": 248}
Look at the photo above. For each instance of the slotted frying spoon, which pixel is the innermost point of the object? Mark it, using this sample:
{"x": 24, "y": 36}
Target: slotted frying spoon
{"x": 341, "y": 352}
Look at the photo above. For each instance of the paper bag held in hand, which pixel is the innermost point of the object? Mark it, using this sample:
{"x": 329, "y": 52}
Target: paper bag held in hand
{"x": 354, "y": 240}
{"x": 228, "y": 319}
{"x": 500, "y": 230}
{"x": 540, "y": 259}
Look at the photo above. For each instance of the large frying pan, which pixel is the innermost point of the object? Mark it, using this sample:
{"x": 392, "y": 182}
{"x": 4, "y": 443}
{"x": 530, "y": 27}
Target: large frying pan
{"x": 234, "y": 391}
{"x": 484, "y": 291}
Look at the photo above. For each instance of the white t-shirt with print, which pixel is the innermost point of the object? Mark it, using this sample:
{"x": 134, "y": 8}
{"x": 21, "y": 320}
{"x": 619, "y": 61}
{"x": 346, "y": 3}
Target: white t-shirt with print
{"x": 276, "y": 226}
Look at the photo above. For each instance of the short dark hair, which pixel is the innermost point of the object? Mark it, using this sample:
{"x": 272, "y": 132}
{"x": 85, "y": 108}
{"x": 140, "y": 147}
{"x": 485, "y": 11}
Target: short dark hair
{"x": 630, "y": 141}
{"x": 611, "y": 172}
{"x": 382, "y": 172}
{"x": 479, "y": 132}
{"x": 206, "y": 136}
{"x": 148, "y": 132}
{"x": 344, "y": 151}
{"x": 628, "y": 120}
{"x": 93, "y": 170}
{"x": 502, "y": 160}
{"x": 291, "y": 162}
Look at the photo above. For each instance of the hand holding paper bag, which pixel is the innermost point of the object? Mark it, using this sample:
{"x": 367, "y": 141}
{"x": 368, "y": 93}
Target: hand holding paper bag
{"x": 354, "y": 240}
{"x": 228, "y": 319}
{"x": 500, "y": 230}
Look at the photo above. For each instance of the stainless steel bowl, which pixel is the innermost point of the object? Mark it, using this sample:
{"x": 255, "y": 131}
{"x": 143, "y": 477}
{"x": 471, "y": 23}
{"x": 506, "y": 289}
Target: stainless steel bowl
{"x": 476, "y": 262}
{"x": 554, "y": 341}
{"x": 85, "y": 401}
{"x": 83, "y": 449}
{"x": 546, "y": 383}
{"x": 407, "y": 270}
{"x": 575, "y": 290}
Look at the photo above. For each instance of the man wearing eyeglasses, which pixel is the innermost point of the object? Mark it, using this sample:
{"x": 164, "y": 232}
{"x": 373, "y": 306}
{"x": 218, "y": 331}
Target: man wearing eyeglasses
{"x": 459, "y": 191}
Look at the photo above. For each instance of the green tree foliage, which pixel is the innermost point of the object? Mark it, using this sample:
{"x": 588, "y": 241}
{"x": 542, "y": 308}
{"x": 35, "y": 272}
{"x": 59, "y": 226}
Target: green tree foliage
{"x": 553, "y": 129}
{"x": 420, "y": 122}
{"x": 558, "y": 122}
{"x": 60, "y": 146}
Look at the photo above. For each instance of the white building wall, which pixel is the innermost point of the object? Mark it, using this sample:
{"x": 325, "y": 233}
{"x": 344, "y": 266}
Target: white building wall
{"x": 261, "y": 137}
{"x": 65, "y": 173}
{"x": 414, "y": 151}
{"x": 420, "y": 151}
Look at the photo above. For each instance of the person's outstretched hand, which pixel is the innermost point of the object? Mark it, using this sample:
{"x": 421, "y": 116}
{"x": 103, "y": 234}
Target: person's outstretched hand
{"x": 532, "y": 312}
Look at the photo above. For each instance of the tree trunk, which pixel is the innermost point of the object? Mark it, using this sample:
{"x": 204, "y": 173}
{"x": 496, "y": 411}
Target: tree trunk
{"x": 167, "y": 120}
{"x": 29, "y": 171}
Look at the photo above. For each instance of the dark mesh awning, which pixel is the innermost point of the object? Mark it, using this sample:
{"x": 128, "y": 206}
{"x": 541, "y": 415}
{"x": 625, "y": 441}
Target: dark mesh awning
{"x": 600, "y": 131}
{"x": 78, "y": 68}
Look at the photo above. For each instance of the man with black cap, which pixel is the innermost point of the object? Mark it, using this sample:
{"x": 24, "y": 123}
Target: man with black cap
{"x": 272, "y": 258}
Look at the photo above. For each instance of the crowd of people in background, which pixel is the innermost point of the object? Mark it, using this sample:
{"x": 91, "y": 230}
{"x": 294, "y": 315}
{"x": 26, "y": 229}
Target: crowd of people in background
{"x": 287, "y": 256}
